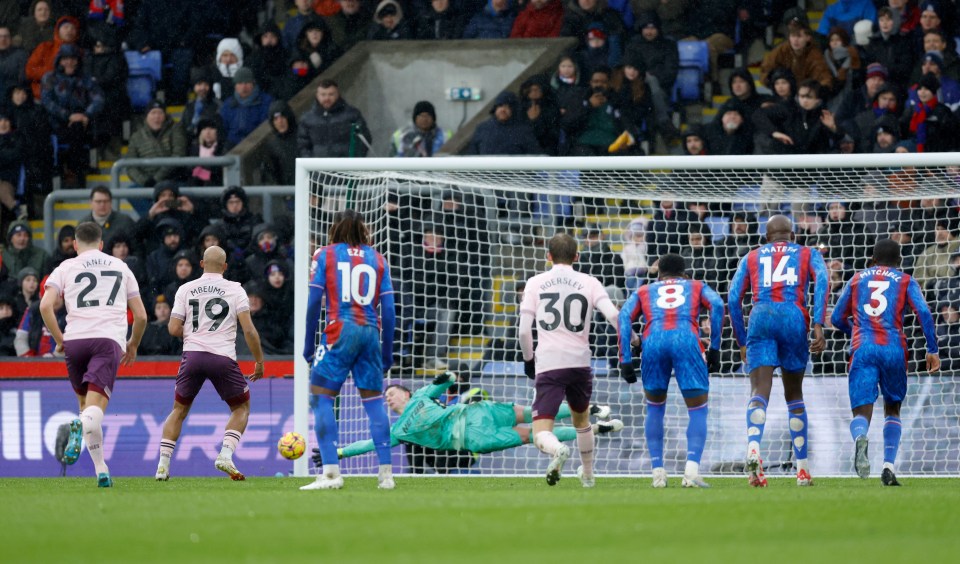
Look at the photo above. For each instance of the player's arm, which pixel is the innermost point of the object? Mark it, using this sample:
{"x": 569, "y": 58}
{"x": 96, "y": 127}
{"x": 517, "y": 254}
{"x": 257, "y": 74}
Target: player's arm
{"x": 362, "y": 447}
{"x": 843, "y": 310}
{"x": 919, "y": 306}
{"x": 439, "y": 386}
{"x": 528, "y": 316}
{"x": 626, "y": 337}
{"x": 139, "y": 326}
{"x": 710, "y": 299}
{"x": 388, "y": 317}
{"x": 175, "y": 327}
{"x": 252, "y": 337}
{"x": 314, "y": 307}
{"x": 49, "y": 304}
{"x": 738, "y": 289}
{"x": 821, "y": 289}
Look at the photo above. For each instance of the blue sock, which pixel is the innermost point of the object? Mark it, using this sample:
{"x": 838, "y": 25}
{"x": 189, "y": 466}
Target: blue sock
{"x": 379, "y": 427}
{"x": 798, "y": 428}
{"x": 325, "y": 425}
{"x": 696, "y": 432}
{"x": 891, "y": 438}
{"x": 653, "y": 431}
{"x": 859, "y": 426}
{"x": 756, "y": 419}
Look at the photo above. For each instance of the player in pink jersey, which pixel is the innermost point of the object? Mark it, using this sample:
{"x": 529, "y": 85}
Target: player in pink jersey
{"x": 561, "y": 303}
{"x": 96, "y": 289}
{"x": 205, "y": 314}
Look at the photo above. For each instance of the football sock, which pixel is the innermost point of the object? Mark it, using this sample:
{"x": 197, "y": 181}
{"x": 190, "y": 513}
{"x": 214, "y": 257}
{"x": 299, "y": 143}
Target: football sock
{"x": 798, "y": 430}
{"x": 385, "y": 471}
{"x": 859, "y": 426}
{"x": 691, "y": 469}
{"x": 653, "y": 431}
{"x": 562, "y": 413}
{"x": 891, "y": 439}
{"x": 585, "y": 444}
{"x": 696, "y": 432}
{"x": 231, "y": 440}
{"x": 325, "y": 425}
{"x": 756, "y": 419}
{"x": 166, "y": 451}
{"x": 91, "y": 418}
{"x": 379, "y": 427}
{"x": 547, "y": 442}
{"x": 564, "y": 434}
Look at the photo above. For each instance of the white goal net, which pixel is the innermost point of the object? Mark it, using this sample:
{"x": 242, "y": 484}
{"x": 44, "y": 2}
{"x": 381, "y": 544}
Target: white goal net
{"x": 463, "y": 234}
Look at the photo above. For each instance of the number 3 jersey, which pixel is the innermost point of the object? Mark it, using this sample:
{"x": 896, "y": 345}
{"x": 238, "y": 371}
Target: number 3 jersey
{"x": 95, "y": 288}
{"x": 778, "y": 273}
{"x": 208, "y": 307}
{"x": 562, "y": 302}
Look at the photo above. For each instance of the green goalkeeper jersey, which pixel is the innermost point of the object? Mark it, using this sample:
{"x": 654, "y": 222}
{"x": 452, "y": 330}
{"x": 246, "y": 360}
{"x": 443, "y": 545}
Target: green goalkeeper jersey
{"x": 424, "y": 422}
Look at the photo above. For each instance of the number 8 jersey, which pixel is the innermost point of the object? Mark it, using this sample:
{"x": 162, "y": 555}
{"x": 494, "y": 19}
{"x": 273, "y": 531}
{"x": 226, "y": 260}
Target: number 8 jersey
{"x": 208, "y": 307}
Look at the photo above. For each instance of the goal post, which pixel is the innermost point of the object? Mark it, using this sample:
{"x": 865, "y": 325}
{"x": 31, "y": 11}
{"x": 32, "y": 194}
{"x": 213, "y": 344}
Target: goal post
{"x": 463, "y": 318}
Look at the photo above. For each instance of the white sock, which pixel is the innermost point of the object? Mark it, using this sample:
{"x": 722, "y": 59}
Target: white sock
{"x": 692, "y": 469}
{"x": 753, "y": 445}
{"x": 92, "y": 418}
{"x": 888, "y": 466}
{"x": 547, "y": 442}
{"x": 386, "y": 471}
{"x": 585, "y": 444}
{"x": 231, "y": 440}
{"x": 331, "y": 470}
{"x": 802, "y": 464}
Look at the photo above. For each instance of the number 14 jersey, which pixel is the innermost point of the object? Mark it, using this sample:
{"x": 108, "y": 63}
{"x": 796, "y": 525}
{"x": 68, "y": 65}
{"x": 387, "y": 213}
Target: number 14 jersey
{"x": 208, "y": 307}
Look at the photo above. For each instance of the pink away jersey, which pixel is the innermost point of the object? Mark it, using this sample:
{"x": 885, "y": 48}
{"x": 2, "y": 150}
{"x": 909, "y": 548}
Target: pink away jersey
{"x": 95, "y": 288}
{"x": 562, "y": 301}
{"x": 208, "y": 307}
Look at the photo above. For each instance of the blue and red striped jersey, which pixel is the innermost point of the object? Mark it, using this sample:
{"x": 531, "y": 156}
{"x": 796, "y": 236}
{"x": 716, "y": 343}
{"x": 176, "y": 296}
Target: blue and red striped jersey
{"x": 875, "y": 299}
{"x": 671, "y": 304}
{"x": 778, "y": 272}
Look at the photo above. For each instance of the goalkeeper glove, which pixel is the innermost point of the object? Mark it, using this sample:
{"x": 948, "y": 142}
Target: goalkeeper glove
{"x": 628, "y": 372}
{"x": 530, "y": 369}
{"x": 444, "y": 378}
{"x": 713, "y": 361}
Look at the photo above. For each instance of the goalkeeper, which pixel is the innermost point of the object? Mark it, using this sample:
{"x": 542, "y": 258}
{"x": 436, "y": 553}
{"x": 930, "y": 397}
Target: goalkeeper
{"x": 480, "y": 427}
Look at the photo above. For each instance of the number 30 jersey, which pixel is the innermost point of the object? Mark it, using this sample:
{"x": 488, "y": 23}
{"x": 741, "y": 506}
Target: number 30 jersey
{"x": 208, "y": 307}
{"x": 354, "y": 280}
{"x": 562, "y": 302}
{"x": 95, "y": 287}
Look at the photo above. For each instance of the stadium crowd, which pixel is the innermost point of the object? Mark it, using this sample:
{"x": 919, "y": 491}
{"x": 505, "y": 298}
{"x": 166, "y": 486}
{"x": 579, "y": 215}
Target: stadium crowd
{"x": 874, "y": 76}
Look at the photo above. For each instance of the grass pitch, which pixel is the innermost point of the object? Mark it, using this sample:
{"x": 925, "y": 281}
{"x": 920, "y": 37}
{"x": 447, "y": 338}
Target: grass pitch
{"x": 491, "y": 520}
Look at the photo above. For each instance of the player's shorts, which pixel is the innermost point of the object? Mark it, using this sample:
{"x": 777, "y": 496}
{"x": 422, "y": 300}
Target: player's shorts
{"x": 777, "y": 336}
{"x": 356, "y": 350}
{"x": 675, "y": 352}
{"x": 196, "y": 367}
{"x": 871, "y": 365}
{"x": 489, "y": 427}
{"x": 92, "y": 364}
{"x": 576, "y": 384}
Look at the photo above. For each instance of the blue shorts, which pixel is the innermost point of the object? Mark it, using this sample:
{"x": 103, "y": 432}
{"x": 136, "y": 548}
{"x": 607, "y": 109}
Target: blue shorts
{"x": 356, "y": 350}
{"x": 777, "y": 336}
{"x": 677, "y": 352}
{"x": 871, "y": 365}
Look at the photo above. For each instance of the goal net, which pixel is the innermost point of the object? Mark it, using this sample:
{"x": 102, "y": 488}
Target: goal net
{"x": 463, "y": 234}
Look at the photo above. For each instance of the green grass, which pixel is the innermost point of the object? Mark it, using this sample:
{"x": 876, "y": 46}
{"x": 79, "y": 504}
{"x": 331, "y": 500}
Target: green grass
{"x": 494, "y": 521}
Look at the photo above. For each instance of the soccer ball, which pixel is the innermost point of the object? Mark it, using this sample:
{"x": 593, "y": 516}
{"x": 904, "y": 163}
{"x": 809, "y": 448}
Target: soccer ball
{"x": 291, "y": 445}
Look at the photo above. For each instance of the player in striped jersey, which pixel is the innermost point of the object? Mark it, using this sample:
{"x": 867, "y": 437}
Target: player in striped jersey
{"x": 671, "y": 309}
{"x": 355, "y": 279}
{"x": 778, "y": 274}
{"x": 874, "y": 301}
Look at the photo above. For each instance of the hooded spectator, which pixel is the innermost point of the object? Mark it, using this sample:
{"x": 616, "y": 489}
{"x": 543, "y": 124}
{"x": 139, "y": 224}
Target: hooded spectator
{"x": 274, "y": 337}
{"x": 45, "y": 57}
{"x": 422, "y": 138}
{"x": 441, "y": 21}
{"x": 204, "y": 105}
{"x": 120, "y": 245}
{"x": 157, "y": 340}
{"x": 169, "y": 233}
{"x": 20, "y": 251}
{"x": 108, "y": 67}
{"x": 885, "y": 134}
{"x": 269, "y": 59}
{"x": 539, "y": 107}
{"x": 693, "y": 141}
{"x": 279, "y": 163}
{"x": 169, "y": 203}
{"x": 783, "y": 84}
{"x": 228, "y": 62}
{"x": 184, "y": 267}
{"x": 730, "y": 132}
{"x": 743, "y": 94}
{"x": 265, "y": 246}
{"x": 207, "y": 144}
{"x": 278, "y": 289}
{"x": 657, "y": 51}
{"x": 245, "y": 110}
{"x": 64, "y": 250}
{"x": 505, "y": 133}
{"x": 237, "y": 224}
{"x": 315, "y": 45}
{"x": 389, "y": 23}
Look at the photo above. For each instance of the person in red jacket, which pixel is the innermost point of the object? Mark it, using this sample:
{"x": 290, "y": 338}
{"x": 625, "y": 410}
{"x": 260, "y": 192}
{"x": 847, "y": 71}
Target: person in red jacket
{"x": 42, "y": 59}
{"x": 541, "y": 18}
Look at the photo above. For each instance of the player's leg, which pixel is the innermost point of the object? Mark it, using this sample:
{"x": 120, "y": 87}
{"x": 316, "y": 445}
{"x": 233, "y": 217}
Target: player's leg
{"x": 862, "y": 383}
{"x": 655, "y": 377}
{"x": 103, "y": 360}
{"x": 327, "y": 376}
{"x": 893, "y": 384}
{"x": 797, "y": 414}
{"x": 368, "y": 377}
{"x": 77, "y": 357}
{"x": 579, "y": 392}
{"x": 92, "y": 419}
{"x": 551, "y": 387}
{"x": 525, "y": 414}
{"x": 171, "y": 432}
{"x": 694, "y": 383}
{"x": 236, "y": 425}
{"x": 190, "y": 378}
{"x": 761, "y": 381}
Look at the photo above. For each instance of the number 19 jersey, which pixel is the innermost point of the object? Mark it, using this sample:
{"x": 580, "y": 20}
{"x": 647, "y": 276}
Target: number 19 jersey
{"x": 208, "y": 307}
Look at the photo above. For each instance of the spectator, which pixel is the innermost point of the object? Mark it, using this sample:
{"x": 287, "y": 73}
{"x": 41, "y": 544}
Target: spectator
{"x": 948, "y": 336}
{"x": 13, "y": 61}
{"x": 731, "y": 134}
{"x": 505, "y": 133}
{"x": 701, "y": 258}
{"x": 245, "y": 110}
{"x": 300, "y": 74}
{"x": 389, "y": 23}
{"x": 170, "y": 235}
{"x": 442, "y": 21}
{"x": 434, "y": 284}
{"x": 566, "y": 84}
{"x": 739, "y": 242}
{"x": 20, "y": 252}
{"x": 495, "y": 21}
{"x": 596, "y": 54}
{"x": 635, "y": 101}
{"x": 579, "y": 15}
{"x": 845, "y": 13}
{"x": 169, "y": 203}
{"x": 635, "y": 257}
{"x": 292, "y": 27}
{"x": 8, "y": 326}
{"x": 422, "y": 138}
{"x": 120, "y": 245}
{"x": 265, "y": 247}
{"x": 800, "y": 127}
{"x": 539, "y": 106}
{"x": 672, "y": 14}
{"x": 905, "y": 13}
{"x": 598, "y": 260}
{"x": 930, "y": 124}
{"x": 228, "y": 63}
{"x": 73, "y": 103}
{"x": 936, "y": 41}
{"x": 889, "y": 48}
{"x": 885, "y": 102}
{"x": 207, "y": 144}
{"x": 799, "y": 55}
{"x": 158, "y": 137}
{"x": 886, "y": 134}
{"x": 934, "y": 262}
{"x": 349, "y": 26}
{"x": 237, "y": 224}
{"x": 274, "y": 337}
{"x": 33, "y": 339}
{"x": 183, "y": 268}
{"x": 597, "y": 123}
{"x": 28, "y": 282}
{"x": 30, "y": 121}
{"x": 694, "y": 141}
{"x": 784, "y": 86}
{"x": 108, "y": 68}
{"x": 715, "y": 22}
{"x": 316, "y": 46}
{"x": 329, "y": 128}
{"x": 279, "y": 163}
{"x": 111, "y": 221}
{"x": 278, "y": 291}
{"x": 11, "y": 162}
{"x": 844, "y": 237}
{"x": 743, "y": 95}
{"x": 923, "y": 220}
{"x": 861, "y": 100}
{"x": 540, "y": 18}
{"x": 36, "y": 27}
{"x": 930, "y": 19}
{"x": 64, "y": 248}
{"x": 203, "y": 106}
{"x": 667, "y": 231}
{"x": 949, "y": 92}
{"x": 157, "y": 340}
{"x": 269, "y": 59}
{"x": 45, "y": 58}
{"x": 948, "y": 289}
{"x": 657, "y": 52}
{"x": 842, "y": 59}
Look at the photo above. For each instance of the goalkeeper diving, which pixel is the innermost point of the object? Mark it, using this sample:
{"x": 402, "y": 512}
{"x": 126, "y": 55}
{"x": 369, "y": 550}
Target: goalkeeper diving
{"x": 479, "y": 427}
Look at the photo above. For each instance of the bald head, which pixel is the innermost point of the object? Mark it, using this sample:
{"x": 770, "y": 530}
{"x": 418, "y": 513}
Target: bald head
{"x": 779, "y": 228}
{"x": 214, "y": 260}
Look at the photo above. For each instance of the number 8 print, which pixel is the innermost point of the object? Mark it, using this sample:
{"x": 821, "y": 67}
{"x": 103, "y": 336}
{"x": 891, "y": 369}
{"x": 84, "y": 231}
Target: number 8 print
{"x": 670, "y": 296}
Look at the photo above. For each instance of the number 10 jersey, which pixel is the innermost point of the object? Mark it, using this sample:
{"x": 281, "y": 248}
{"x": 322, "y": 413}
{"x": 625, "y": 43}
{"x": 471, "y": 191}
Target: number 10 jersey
{"x": 208, "y": 307}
